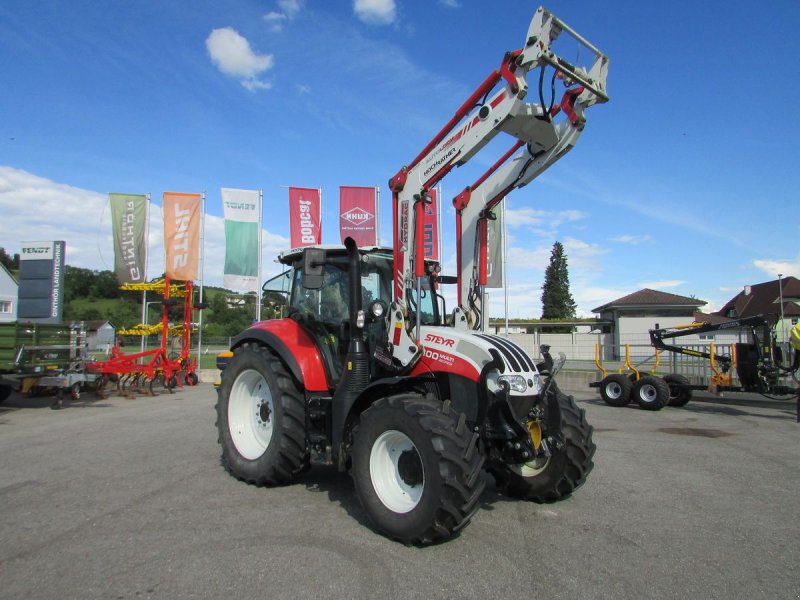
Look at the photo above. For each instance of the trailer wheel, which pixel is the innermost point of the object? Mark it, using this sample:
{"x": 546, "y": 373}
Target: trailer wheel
{"x": 5, "y": 392}
{"x": 552, "y": 478}
{"x": 417, "y": 468}
{"x": 75, "y": 391}
{"x": 191, "y": 379}
{"x": 261, "y": 418}
{"x": 615, "y": 389}
{"x": 678, "y": 395}
{"x": 650, "y": 392}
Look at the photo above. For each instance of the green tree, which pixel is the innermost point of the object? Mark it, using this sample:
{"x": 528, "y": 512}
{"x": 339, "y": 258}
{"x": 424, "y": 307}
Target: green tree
{"x": 9, "y": 262}
{"x": 557, "y": 302}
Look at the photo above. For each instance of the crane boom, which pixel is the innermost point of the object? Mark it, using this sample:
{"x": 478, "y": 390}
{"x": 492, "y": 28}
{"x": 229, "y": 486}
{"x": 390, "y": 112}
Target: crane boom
{"x": 497, "y": 106}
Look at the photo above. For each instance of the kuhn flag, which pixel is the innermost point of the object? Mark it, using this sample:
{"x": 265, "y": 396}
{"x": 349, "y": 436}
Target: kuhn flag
{"x": 241, "y": 211}
{"x": 305, "y": 217}
{"x": 430, "y": 227}
{"x": 358, "y": 215}
{"x": 181, "y": 235}
{"x": 128, "y": 226}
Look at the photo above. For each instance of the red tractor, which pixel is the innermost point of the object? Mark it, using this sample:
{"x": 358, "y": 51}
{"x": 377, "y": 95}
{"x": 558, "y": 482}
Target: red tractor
{"x": 371, "y": 373}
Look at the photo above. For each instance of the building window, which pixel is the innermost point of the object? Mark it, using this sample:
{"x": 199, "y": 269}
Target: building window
{"x": 5, "y": 307}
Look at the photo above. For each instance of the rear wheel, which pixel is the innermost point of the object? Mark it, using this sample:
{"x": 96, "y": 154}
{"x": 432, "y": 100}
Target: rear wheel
{"x": 551, "y": 478}
{"x": 5, "y": 392}
{"x": 650, "y": 392}
{"x": 260, "y": 418}
{"x": 417, "y": 468}
{"x": 678, "y": 394}
{"x": 615, "y": 389}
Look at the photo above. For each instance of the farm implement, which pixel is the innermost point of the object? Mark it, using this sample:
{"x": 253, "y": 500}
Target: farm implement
{"x": 167, "y": 366}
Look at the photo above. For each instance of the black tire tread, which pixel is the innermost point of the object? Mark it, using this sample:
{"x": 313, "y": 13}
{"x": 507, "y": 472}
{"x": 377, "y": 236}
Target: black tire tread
{"x": 291, "y": 455}
{"x": 460, "y": 465}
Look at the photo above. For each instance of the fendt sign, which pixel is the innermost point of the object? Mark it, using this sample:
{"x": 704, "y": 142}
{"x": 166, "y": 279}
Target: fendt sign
{"x": 41, "y": 281}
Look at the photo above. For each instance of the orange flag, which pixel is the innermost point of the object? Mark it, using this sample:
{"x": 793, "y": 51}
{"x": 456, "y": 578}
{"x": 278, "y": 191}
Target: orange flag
{"x": 181, "y": 235}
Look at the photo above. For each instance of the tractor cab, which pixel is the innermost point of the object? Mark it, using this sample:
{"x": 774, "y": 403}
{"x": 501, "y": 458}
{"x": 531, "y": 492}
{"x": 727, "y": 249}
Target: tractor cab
{"x": 318, "y": 286}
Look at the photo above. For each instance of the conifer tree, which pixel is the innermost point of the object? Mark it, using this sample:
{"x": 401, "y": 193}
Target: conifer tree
{"x": 557, "y": 302}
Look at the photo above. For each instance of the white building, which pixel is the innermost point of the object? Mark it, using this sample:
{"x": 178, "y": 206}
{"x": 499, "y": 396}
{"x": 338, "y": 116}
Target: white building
{"x": 8, "y": 296}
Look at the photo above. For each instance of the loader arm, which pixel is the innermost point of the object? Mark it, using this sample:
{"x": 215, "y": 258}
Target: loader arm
{"x": 497, "y": 106}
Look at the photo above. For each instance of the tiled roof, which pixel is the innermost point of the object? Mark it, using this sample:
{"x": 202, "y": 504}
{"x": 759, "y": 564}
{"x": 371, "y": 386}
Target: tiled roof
{"x": 764, "y": 299}
{"x": 648, "y": 297}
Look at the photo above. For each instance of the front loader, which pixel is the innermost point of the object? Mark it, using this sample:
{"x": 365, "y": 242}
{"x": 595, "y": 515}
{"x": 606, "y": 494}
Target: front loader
{"x": 370, "y": 372}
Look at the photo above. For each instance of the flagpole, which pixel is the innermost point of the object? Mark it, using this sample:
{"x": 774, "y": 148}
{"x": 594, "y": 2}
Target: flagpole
{"x": 144, "y": 293}
{"x": 503, "y": 262}
{"x": 319, "y": 190}
{"x": 258, "y": 282}
{"x": 202, "y": 259}
{"x": 377, "y": 216}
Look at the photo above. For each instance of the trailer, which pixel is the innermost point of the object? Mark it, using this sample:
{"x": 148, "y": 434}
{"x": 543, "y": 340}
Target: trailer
{"x": 40, "y": 358}
{"x": 758, "y": 366}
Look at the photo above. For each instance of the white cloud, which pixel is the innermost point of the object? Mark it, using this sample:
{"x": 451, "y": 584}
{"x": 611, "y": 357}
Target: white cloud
{"x": 542, "y": 219}
{"x": 633, "y": 239}
{"x": 375, "y": 12}
{"x": 288, "y": 9}
{"x": 450, "y": 3}
{"x": 232, "y": 54}
{"x": 82, "y": 218}
{"x": 784, "y": 266}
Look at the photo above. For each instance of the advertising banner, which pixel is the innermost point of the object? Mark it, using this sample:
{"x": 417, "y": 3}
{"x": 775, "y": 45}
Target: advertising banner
{"x": 41, "y": 281}
{"x": 181, "y": 235}
{"x": 241, "y": 211}
{"x": 494, "y": 230}
{"x": 431, "y": 226}
{"x": 358, "y": 215}
{"x": 305, "y": 217}
{"x": 128, "y": 225}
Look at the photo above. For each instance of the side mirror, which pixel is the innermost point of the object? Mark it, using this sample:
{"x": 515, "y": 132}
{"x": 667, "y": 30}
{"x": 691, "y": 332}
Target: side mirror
{"x": 313, "y": 268}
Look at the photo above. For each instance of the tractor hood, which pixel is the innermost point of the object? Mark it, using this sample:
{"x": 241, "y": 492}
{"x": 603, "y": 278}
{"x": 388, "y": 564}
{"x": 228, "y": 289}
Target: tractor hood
{"x": 465, "y": 353}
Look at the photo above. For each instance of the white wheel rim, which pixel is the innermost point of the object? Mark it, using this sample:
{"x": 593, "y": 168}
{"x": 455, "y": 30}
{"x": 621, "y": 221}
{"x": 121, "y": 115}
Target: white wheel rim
{"x": 251, "y": 414}
{"x": 532, "y": 468}
{"x": 613, "y": 390}
{"x": 648, "y": 393}
{"x": 396, "y": 494}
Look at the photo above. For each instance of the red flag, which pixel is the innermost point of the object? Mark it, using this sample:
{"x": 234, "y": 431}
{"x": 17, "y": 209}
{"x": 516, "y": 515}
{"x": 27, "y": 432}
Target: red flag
{"x": 181, "y": 235}
{"x": 357, "y": 215}
{"x": 431, "y": 227}
{"x": 305, "y": 217}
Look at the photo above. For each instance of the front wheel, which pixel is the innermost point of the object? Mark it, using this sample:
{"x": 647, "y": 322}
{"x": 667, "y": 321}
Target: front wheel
{"x": 417, "y": 468}
{"x": 260, "y": 418}
{"x": 551, "y": 478}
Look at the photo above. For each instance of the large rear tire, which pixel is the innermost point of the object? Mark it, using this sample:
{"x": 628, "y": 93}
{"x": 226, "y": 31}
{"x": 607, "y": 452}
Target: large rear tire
{"x": 260, "y": 418}
{"x": 615, "y": 389}
{"x": 5, "y": 392}
{"x": 553, "y": 478}
{"x": 678, "y": 395}
{"x": 650, "y": 392}
{"x": 417, "y": 468}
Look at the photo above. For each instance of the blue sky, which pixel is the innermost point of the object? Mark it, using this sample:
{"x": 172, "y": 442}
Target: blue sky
{"x": 683, "y": 182}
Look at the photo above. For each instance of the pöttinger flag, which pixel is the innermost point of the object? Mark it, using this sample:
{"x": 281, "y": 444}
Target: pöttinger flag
{"x": 305, "y": 216}
{"x": 128, "y": 225}
{"x": 181, "y": 235}
{"x": 241, "y": 211}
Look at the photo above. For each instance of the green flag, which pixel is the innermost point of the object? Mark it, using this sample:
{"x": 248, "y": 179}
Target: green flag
{"x": 128, "y": 222}
{"x": 242, "y": 246}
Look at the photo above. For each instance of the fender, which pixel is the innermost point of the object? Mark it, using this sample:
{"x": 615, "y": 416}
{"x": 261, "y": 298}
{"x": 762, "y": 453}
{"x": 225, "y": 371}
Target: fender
{"x": 295, "y": 348}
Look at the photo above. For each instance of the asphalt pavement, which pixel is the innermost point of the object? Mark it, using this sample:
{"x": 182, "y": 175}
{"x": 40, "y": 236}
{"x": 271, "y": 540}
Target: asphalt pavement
{"x": 126, "y": 498}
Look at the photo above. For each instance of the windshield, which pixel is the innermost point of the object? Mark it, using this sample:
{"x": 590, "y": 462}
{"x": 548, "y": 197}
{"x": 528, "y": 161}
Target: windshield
{"x": 330, "y": 303}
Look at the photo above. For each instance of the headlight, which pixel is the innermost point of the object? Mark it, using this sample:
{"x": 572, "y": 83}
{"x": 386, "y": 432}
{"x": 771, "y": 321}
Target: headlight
{"x": 516, "y": 383}
{"x": 360, "y": 319}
